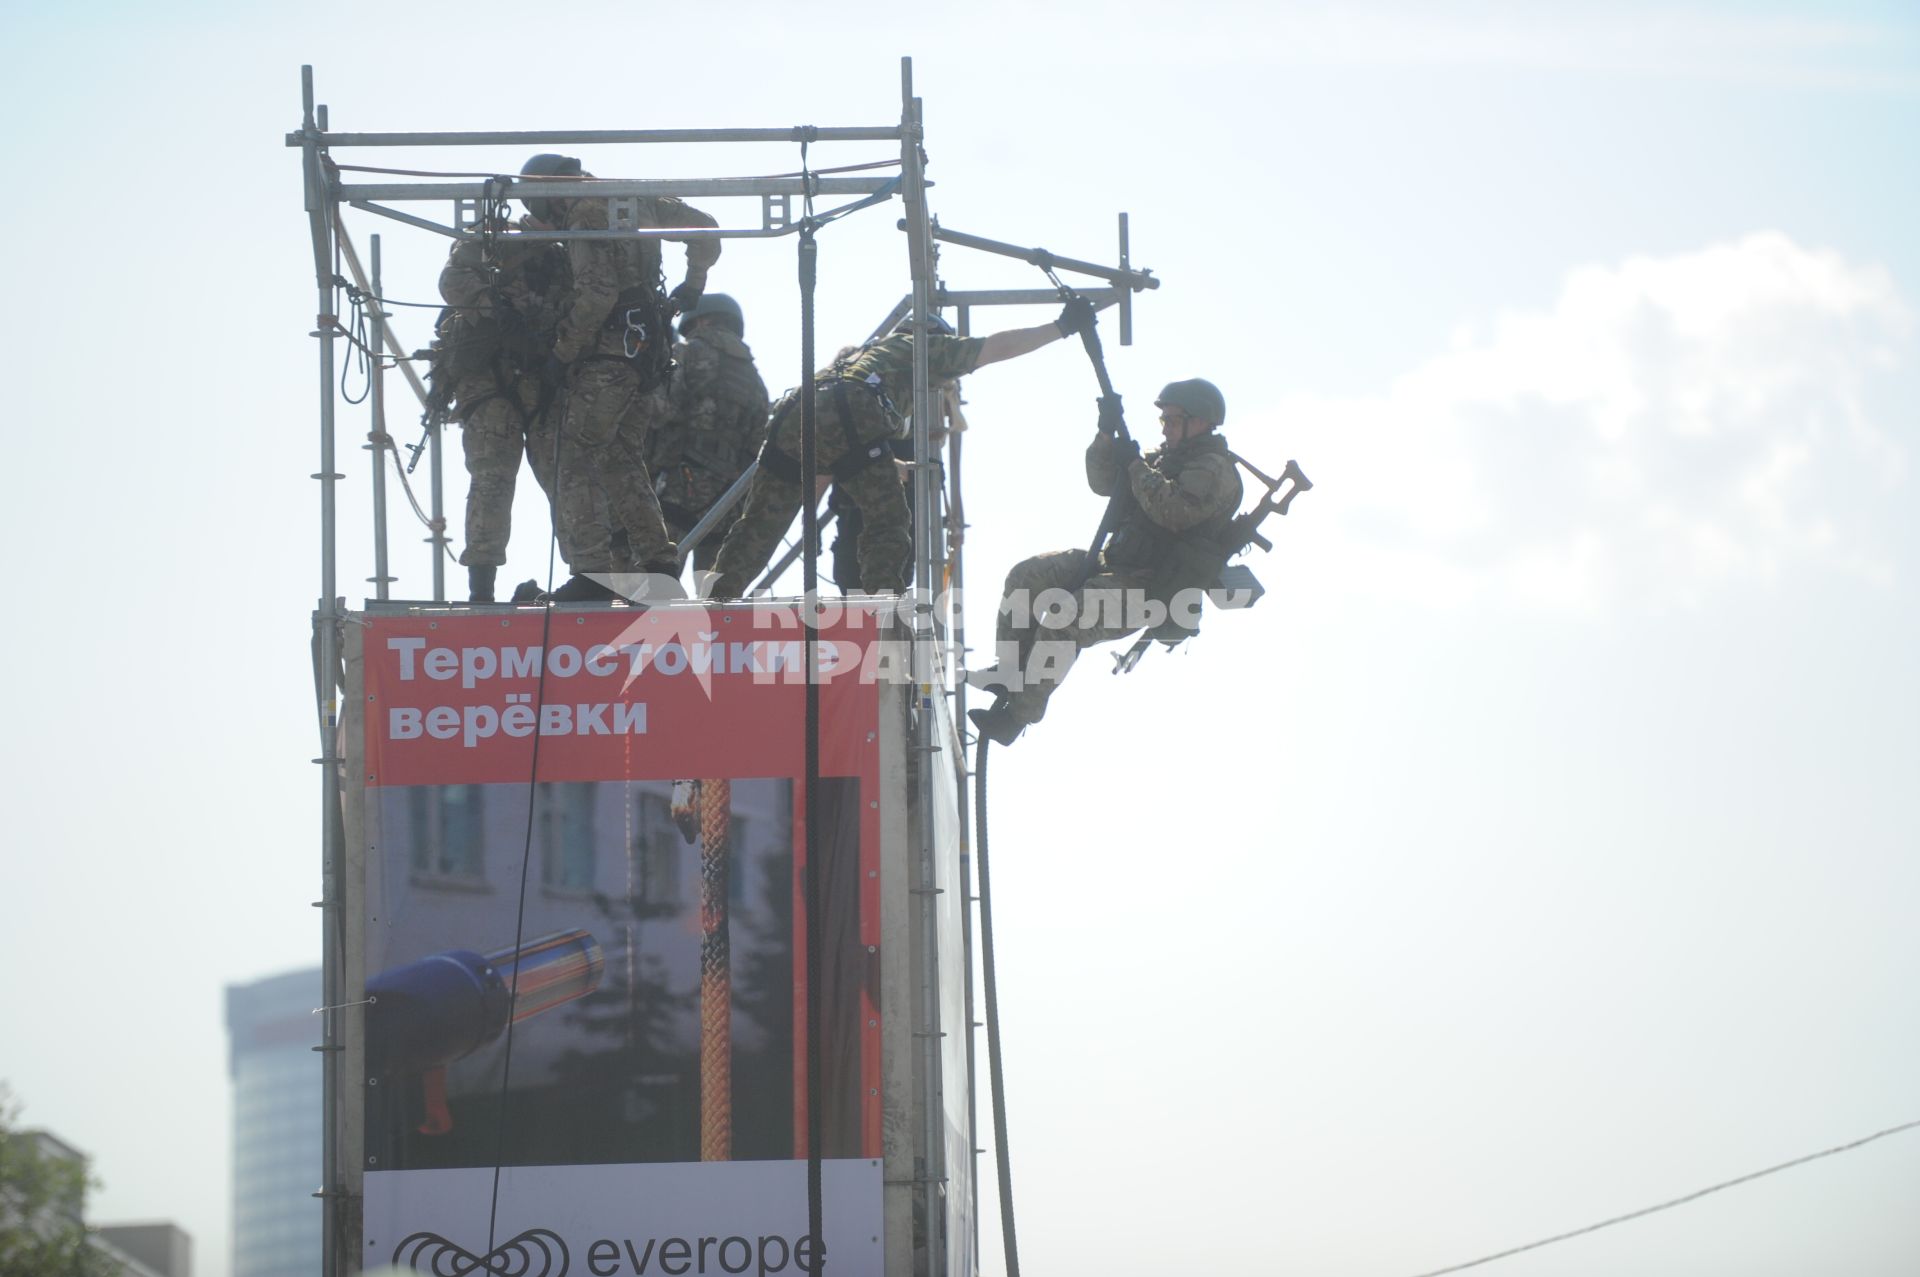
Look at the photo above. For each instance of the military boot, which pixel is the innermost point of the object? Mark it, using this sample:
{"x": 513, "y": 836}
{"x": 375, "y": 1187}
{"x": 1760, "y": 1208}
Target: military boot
{"x": 661, "y": 582}
{"x": 480, "y": 583}
{"x": 581, "y": 588}
{"x": 997, "y": 724}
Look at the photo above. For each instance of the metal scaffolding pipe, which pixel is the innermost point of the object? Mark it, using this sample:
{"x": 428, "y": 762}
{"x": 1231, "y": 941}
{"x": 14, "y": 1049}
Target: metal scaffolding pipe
{"x": 612, "y": 188}
{"x": 1131, "y": 278}
{"x": 377, "y": 431}
{"x": 326, "y": 623}
{"x": 920, "y": 256}
{"x": 611, "y": 137}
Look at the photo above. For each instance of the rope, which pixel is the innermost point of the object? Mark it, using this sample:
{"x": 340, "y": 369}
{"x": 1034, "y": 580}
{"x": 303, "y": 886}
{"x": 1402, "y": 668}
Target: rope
{"x": 1002, "y": 1159}
{"x": 810, "y": 587}
{"x": 526, "y": 852}
{"x": 714, "y": 800}
{"x": 1678, "y": 1201}
{"x": 438, "y": 527}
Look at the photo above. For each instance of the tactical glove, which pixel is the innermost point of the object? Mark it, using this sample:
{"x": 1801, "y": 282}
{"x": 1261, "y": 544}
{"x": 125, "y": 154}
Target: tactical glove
{"x": 1075, "y": 317}
{"x": 1125, "y": 452}
{"x": 686, "y": 296}
{"x": 1112, "y": 420}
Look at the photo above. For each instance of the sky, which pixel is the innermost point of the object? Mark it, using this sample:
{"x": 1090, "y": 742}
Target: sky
{"x": 1542, "y": 847}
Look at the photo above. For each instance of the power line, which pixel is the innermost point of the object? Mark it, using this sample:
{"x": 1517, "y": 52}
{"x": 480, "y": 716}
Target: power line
{"x": 1678, "y": 1201}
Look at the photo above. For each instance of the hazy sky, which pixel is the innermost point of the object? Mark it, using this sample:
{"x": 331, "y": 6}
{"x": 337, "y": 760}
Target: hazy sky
{"x": 1542, "y": 847}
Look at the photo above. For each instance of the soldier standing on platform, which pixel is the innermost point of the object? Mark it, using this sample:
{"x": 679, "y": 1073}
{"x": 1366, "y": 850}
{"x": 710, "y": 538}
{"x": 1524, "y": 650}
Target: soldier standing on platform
{"x": 716, "y": 423}
{"x": 614, "y": 342}
{"x": 493, "y": 365}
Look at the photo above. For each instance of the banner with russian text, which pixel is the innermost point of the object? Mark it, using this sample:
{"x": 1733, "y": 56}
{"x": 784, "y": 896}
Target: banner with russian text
{"x": 586, "y": 937}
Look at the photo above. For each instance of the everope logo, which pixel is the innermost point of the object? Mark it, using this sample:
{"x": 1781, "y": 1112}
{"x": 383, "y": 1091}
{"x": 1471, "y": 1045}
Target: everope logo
{"x": 534, "y": 1253}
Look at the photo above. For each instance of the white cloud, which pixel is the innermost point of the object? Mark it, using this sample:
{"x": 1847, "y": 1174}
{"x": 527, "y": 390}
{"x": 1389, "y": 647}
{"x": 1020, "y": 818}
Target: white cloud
{"x": 1668, "y": 426}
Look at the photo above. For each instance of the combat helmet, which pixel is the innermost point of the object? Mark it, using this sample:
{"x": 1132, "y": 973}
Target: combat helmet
{"x": 1198, "y": 398}
{"x": 547, "y": 164}
{"x": 935, "y": 324}
{"x": 720, "y": 308}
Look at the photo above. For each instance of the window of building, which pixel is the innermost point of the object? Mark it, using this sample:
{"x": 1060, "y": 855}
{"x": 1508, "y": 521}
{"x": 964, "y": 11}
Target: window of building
{"x": 447, "y": 824}
{"x": 657, "y": 847}
{"x": 566, "y": 835}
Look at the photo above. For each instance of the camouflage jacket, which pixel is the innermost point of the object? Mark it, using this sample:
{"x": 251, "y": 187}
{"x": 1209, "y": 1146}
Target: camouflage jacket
{"x": 716, "y": 423}
{"x": 604, "y": 269}
{"x": 1192, "y": 489}
{"x": 506, "y": 299}
{"x": 891, "y": 360}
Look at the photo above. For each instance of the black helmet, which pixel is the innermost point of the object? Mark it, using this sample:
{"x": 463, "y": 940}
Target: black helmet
{"x": 546, "y": 164}
{"x": 935, "y": 324}
{"x": 1199, "y": 399}
{"x": 720, "y": 308}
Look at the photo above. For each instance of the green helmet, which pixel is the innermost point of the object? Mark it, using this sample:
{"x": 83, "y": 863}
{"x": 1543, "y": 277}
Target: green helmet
{"x": 1197, "y": 398}
{"x": 547, "y": 164}
{"x": 720, "y": 308}
{"x": 936, "y": 323}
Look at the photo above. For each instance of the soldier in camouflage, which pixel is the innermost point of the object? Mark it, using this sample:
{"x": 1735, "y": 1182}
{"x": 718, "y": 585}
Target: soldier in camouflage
{"x": 716, "y": 421}
{"x": 492, "y": 366}
{"x": 614, "y": 341}
{"x": 1180, "y": 497}
{"x": 857, "y": 421}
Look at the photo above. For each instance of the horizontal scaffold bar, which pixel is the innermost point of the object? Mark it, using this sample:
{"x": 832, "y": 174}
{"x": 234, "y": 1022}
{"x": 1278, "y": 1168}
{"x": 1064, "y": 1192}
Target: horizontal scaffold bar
{"x": 599, "y": 137}
{"x": 1021, "y": 296}
{"x": 1131, "y": 278}
{"x": 614, "y": 188}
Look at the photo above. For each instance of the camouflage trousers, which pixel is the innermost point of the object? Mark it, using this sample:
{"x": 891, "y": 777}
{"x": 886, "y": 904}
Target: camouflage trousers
{"x": 886, "y": 533}
{"x": 603, "y": 481}
{"x": 494, "y": 436}
{"x": 1045, "y": 622}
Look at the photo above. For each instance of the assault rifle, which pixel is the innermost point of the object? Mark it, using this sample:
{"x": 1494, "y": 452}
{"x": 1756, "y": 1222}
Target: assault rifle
{"x": 1233, "y": 585}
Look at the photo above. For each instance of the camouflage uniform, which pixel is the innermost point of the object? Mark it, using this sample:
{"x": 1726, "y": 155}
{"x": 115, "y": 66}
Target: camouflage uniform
{"x": 716, "y": 425}
{"x": 856, "y": 424}
{"x": 506, "y": 299}
{"x": 610, "y": 404}
{"x": 1191, "y": 489}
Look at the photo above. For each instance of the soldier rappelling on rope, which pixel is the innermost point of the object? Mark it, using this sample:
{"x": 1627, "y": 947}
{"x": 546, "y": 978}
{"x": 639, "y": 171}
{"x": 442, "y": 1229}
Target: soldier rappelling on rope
{"x": 1163, "y": 544}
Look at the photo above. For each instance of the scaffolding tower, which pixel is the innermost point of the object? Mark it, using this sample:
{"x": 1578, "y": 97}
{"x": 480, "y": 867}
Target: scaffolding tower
{"x": 936, "y": 626}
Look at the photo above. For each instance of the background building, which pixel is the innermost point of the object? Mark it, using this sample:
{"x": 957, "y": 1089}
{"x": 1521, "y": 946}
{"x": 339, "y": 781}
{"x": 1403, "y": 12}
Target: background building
{"x": 271, "y": 1033}
{"x": 45, "y": 1207}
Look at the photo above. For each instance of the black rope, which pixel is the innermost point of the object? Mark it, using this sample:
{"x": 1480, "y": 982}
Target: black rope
{"x": 526, "y": 852}
{"x": 360, "y": 353}
{"x": 810, "y": 591}
{"x": 1002, "y": 1159}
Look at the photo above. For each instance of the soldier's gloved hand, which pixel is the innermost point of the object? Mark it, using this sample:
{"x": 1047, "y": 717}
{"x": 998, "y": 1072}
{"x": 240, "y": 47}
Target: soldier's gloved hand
{"x": 1126, "y": 452}
{"x": 1112, "y": 420}
{"x": 686, "y": 296}
{"x": 1075, "y": 317}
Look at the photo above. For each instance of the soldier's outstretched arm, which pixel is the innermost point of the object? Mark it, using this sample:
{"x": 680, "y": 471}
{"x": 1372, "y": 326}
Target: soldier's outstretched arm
{"x": 1075, "y": 316}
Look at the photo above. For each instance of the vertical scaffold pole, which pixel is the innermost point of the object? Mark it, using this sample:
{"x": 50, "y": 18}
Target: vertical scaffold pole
{"x": 956, "y": 587}
{"x": 377, "y": 433}
{"x": 925, "y": 676}
{"x": 437, "y": 471}
{"x": 327, "y": 622}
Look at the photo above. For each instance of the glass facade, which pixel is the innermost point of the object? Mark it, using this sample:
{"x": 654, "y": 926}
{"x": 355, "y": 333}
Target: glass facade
{"x": 271, "y": 1031}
